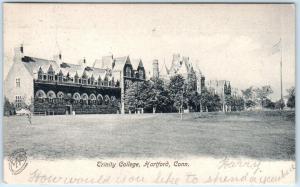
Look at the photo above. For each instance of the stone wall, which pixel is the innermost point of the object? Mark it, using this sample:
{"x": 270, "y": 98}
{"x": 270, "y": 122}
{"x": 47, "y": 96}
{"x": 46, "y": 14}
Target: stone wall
{"x": 58, "y": 106}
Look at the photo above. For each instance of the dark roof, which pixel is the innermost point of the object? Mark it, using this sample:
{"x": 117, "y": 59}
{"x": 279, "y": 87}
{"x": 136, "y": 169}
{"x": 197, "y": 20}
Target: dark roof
{"x": 33, "y": 65}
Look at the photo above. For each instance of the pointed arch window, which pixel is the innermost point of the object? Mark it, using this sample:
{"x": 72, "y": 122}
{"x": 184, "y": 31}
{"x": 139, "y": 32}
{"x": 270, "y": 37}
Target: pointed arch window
{"x": 92, "y": 80}
{"x": 141, "y": 74}
{"x": 99, "y": 99}
{"x": 128, "y": 71}
{"x": 76, "y": 78}
{"x": 84, "y": 78}
{"x": 60, "y": 76}
{"x": 99, "y": 81}
{"x": 51, "y": 96}
{"x": 106, "y": 81}
{"x": 76, "y": 97}
{"x": 50, "y": 73}
{"x": 85, "y": 98}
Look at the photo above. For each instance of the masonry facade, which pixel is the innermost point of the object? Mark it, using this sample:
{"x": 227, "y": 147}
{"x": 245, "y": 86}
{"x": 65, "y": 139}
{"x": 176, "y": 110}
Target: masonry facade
{"x": 57, "y": 87}
{"x": 181, "y": 65}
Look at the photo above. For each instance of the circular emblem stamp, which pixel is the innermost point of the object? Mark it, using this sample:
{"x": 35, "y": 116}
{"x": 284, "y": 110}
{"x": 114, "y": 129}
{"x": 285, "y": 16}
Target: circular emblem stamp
{"x": 17, "y": 161}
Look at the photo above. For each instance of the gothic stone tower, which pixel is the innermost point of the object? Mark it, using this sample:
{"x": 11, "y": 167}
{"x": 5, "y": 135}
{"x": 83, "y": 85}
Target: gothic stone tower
{"x": 155, "y": 68}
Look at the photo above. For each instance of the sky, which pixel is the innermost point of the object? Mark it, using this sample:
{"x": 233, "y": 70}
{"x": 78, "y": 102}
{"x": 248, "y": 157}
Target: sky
{"x": 228, "y": 41}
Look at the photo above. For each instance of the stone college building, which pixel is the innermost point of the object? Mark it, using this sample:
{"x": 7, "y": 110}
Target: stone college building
{"x": 57, "y": 87}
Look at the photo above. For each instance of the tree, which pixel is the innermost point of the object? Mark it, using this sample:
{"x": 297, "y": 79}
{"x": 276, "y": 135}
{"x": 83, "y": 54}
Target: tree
{"x": 9, "y": 108}
{"x": 263, "y": 93}
{"x": 229, "y": 101}
{"x": 250, "y": 104}
{"x": 210, "y": 102}
{"x": 130, "y": 97}
{"x": 204, "y": 99}
{"x": 279, "y": 104}
{"x": 267, "y": 103}
{"x": 248, "y": 95}
{"x": 195, "y": 100}
{"x": 238, "y": 104}
{"x": 153, "y": 96}
{"x": 178, "y": 91}
{"x": 291, "y": 97}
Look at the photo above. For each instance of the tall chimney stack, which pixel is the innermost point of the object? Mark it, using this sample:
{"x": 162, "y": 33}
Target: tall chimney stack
{"x": 22, "y": 49}
{"x": 155, "y": 68}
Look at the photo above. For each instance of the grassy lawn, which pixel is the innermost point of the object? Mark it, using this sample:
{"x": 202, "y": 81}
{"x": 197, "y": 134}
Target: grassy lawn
{"x": 261, "y": 135}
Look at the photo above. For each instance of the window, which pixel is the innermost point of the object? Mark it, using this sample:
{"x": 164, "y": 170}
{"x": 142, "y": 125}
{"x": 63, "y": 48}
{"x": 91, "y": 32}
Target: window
{"x": 76, "y": 79}
{"x": 60, "y": 96}
{"x": 106, "y": 99}
{"x": 99, "y": 99}
{"x": 128, "y": 72}
{"x": 141, "y": 74}
{"x": 19, "y": 100}
{"x": 50, "y": 76}
{"x": 51, "y": 96}
{"x": 40, "y": 74}
{"x": 105, "y": 81}
{"x": 60, "y": 78}
{"x": 76, "y": 97}
{"x": 40, "y": 94}
{"x": 18, "y": 83}
{"x": 85, "y": 98}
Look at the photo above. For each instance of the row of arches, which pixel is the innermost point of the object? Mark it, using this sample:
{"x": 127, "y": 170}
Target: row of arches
{"x": 40, "y": 94}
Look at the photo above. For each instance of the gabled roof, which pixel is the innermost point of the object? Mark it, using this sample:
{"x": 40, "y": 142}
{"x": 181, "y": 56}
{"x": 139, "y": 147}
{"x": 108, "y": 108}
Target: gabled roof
{"x": 96, "y": 72}
{"x": 136, "y": 63}
{"x": 72, "y": 69}
{"x": 104, "y": 63}
{"x": 33, "y": 64}
{"x": 120, "y": 63}
{"x": 97, "y": 63}
{"x": 107, "y": 62}
{"x": 197, "y": 68}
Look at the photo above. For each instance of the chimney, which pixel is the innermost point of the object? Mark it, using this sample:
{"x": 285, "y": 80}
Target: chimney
{"x": 155, "y": 68}
{"x": 58, "y": 59}
{"x": 19, "y": 53}
{"x": 22, "y": 49}
{"x": 82, "y": 62}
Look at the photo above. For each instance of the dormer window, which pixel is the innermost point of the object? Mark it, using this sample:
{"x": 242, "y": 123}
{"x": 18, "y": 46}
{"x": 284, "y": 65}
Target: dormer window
{"x": 40, "y": 74}
{"x": 60, "y": 76}
{"x": 105, "y": 81}
{"x": 84, "y": 78}
{"x": 99, "y": 81}
{"x": 92, "y": 80}
{"x": 50, "y": 73}
{"x": 76, "y": 78}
